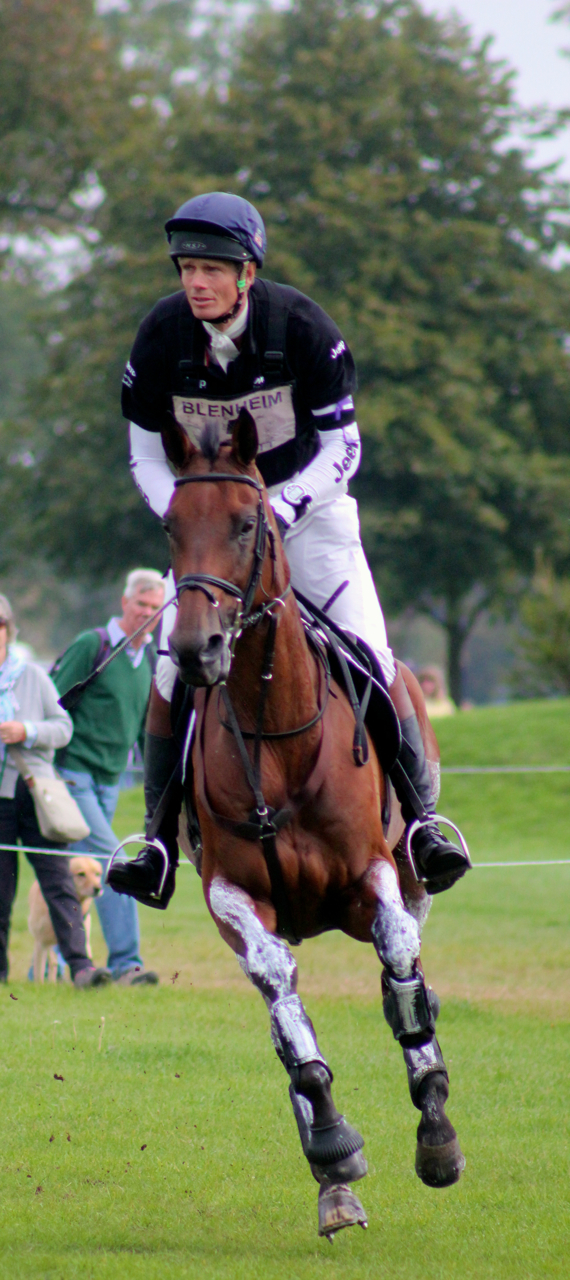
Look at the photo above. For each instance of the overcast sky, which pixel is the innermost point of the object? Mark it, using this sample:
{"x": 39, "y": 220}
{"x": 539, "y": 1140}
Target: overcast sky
{"x": 531, "y": 44}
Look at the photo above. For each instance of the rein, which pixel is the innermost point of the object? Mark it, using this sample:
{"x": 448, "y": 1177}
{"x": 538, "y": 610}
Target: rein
{"x": 263, "y": 823}
{"x": 201, "y": 581}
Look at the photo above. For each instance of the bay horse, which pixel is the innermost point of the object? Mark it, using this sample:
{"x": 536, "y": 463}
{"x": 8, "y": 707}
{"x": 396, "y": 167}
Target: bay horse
{"x": 293, "y": 841}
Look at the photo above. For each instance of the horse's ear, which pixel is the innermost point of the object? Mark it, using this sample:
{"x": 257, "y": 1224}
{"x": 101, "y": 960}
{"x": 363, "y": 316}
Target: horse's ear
{"x": 178, "y": 446}
{"x": 245, "y": 441}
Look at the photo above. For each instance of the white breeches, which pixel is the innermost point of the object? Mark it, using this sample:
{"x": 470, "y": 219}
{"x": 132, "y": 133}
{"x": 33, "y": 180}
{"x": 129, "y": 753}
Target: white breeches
{"x": 324, "y": 551}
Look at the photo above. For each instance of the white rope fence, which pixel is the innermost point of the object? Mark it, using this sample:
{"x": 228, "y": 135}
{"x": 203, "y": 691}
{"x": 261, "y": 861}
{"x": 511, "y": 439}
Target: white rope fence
{"x": 68, "y": 853}
{"x": 506, "y": 768}
{"x": 446, "y": 769}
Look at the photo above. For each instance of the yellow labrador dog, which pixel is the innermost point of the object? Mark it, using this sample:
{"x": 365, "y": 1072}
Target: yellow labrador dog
{"x": 86, "y": 874}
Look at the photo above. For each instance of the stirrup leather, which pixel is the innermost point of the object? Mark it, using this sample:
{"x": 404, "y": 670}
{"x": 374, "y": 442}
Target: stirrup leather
{"x": 155, "y": 843}
{"x": 428, "y": 822}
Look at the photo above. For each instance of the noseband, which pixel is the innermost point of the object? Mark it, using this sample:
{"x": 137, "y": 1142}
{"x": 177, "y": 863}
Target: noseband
{"x": 201, "y": 581}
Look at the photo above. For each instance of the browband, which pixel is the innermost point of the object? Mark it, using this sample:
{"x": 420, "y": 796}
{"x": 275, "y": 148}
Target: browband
{"x": 219, "y": 475}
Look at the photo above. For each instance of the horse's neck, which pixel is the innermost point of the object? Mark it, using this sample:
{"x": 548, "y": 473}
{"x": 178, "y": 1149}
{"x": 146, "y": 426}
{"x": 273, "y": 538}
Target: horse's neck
{"x": 293, "y": 695}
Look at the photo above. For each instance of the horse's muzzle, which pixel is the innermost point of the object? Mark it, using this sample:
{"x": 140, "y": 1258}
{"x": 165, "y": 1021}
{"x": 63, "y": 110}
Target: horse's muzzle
{"x": 204, "y": 663}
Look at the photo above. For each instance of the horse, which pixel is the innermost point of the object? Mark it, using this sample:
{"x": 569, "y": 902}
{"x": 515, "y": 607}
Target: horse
{"x": 292, "y": 831}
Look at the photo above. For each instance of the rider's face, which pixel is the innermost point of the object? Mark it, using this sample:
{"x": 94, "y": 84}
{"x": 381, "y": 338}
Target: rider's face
{"x": 211, "y": 285}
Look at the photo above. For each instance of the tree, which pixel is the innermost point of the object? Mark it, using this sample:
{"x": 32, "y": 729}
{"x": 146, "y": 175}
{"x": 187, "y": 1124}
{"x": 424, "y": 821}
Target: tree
{"x": 374, "y": 140}
{"x": 378, "y": 155}
{"x": 545, "y": 646}
{"x": 86, "y": 147}
{"x": 59, "y": 84}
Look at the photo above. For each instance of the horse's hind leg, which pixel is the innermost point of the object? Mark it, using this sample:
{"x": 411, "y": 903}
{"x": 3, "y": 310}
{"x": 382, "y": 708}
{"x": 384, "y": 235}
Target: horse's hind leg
{"x": 410, "y": 1010}
{"x": 331, "y": 1145}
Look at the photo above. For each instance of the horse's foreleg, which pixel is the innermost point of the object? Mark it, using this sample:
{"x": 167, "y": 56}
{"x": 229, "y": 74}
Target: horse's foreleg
{"x": 411, "y": 1009}
{"x": 331, "y": 1145}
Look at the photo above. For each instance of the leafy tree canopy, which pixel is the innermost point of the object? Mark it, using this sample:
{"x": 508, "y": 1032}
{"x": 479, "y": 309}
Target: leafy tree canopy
{"x": 374, "y": 140}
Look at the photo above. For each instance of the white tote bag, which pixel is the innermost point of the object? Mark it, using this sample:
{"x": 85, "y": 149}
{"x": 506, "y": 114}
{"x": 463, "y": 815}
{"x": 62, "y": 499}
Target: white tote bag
{"x": 59, "y": 817}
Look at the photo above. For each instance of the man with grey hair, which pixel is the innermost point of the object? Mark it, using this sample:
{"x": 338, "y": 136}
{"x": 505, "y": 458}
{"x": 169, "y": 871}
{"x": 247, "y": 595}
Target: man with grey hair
{"x": 108, "y": 719}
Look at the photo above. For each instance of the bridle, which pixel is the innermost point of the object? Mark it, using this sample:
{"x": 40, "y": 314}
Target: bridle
{"x": 263, "y": 533}
{"x": 263, "y": 823}
{"x": 245, "y": 617}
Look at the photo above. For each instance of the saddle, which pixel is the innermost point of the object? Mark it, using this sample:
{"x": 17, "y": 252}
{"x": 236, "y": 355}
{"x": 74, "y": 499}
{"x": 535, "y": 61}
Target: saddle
{"x": 355, "y": 667}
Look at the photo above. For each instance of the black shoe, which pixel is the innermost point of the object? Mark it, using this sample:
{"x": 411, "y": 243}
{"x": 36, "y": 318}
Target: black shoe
{"x": 91, "y": 977}
{"x": 141, "y": 879}
{"x": 439, "y": 863}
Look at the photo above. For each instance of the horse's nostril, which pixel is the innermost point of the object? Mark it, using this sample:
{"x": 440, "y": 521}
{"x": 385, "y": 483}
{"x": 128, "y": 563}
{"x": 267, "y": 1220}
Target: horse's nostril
{"x": 214, "y": 645}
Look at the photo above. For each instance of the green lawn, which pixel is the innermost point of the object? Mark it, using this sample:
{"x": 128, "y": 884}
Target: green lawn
{"x": 187, "y": 1071}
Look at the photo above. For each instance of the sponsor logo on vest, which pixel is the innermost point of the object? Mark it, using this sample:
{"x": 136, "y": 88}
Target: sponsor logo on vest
{"x": 272, "y": 409}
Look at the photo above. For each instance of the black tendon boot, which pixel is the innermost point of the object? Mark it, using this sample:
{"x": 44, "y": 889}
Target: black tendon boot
{"x": 144, "y": 877}
{"x": 438, "y": 862}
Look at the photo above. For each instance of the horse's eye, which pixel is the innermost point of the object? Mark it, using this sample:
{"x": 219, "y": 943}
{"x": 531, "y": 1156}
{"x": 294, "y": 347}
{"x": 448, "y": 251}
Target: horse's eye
{"x": 247, "y": 527}
{"x": 166, "y": 526}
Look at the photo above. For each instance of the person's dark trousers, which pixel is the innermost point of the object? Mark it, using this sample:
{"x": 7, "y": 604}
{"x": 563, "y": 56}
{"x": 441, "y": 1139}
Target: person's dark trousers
{"x": 18, "y": 821}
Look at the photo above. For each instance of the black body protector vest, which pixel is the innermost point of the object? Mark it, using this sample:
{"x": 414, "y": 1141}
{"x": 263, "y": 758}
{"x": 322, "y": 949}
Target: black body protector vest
{"x": 210, "y": 397}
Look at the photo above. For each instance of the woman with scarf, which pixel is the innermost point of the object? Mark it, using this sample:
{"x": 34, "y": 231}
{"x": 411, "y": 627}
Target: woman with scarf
{"x": 32, "y": 719}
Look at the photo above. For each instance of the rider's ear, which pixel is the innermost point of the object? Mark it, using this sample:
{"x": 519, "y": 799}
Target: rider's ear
{"x": 245, "y": 442}
{"x": 178, "y": 446}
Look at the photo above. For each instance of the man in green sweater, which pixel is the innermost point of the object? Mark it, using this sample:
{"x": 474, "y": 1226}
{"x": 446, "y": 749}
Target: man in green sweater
{"x": 108, "y": 719}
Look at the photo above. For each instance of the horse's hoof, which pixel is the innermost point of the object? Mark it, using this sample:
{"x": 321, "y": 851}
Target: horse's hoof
{"x": 440, "y": 1166}
{"x": 338, "y": 1208}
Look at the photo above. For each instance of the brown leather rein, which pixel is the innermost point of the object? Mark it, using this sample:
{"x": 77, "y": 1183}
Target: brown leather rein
{"x": 264, "y": 823}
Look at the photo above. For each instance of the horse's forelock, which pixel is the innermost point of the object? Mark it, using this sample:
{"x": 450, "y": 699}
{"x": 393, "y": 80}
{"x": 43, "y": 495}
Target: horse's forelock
{"x": 210, "y": 441}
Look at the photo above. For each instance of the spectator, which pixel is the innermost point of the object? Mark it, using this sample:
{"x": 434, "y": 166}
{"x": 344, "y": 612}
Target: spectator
{"x": 438, "y": 702}
{"x": 108, "y": 719}
{"x": 42, "y": 725}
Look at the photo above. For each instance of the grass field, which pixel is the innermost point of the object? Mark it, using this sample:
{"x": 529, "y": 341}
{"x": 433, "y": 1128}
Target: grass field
{"x": 168, "y": 1150}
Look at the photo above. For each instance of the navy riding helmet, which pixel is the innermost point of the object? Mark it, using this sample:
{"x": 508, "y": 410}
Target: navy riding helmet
{"x": 217, "y": 225}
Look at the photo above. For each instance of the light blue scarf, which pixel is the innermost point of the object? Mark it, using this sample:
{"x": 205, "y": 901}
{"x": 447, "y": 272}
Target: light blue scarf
{"x": 10, "y": 673}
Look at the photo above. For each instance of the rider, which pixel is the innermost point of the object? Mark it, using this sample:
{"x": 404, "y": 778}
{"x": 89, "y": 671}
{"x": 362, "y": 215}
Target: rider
{"x": 227, "y": 339}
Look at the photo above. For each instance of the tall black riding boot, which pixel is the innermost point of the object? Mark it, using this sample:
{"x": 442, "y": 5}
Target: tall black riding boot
{"x": 438, "y": 862}
{"x": 142, "y": 878}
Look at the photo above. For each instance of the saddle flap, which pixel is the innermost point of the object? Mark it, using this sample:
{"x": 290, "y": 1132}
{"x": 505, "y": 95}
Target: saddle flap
{"x": 380, "y": 717}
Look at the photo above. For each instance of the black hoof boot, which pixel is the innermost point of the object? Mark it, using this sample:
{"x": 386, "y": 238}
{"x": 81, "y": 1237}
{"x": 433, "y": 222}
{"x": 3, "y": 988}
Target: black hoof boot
{"x": 439, "y": 1159}
{"x": 143, "y": 877}
{"x": 438, "y": 862}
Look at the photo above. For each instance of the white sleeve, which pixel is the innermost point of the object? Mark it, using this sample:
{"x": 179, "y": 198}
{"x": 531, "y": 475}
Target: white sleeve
{"x": 150, "y": 469}
{"x": 337, "y": 460}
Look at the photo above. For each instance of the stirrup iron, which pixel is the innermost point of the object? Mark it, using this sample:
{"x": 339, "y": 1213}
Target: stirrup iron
{"x": 428, "y": 822}
{"x": 155, "y": 843}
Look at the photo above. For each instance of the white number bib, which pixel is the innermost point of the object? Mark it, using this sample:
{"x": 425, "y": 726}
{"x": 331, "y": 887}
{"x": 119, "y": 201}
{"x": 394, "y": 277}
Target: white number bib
{"x": 272, "y": 409}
